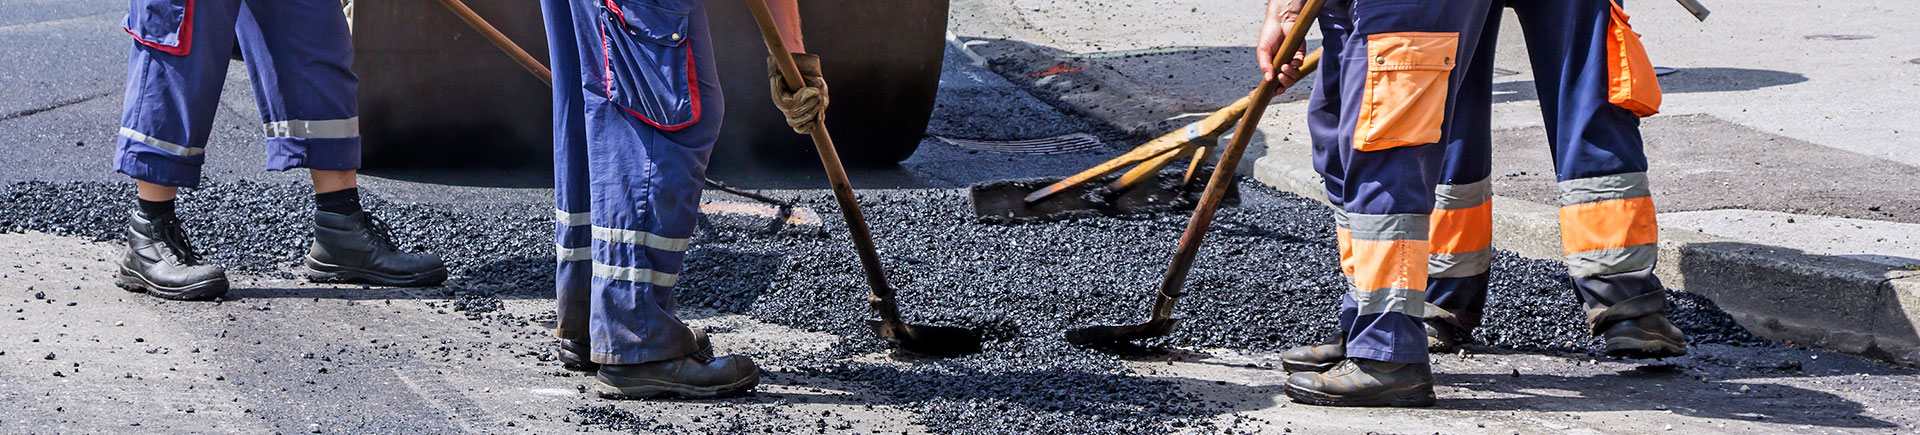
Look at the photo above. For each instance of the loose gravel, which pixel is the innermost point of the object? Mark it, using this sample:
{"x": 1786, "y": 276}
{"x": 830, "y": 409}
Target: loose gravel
{"x": 1266, "y": 279}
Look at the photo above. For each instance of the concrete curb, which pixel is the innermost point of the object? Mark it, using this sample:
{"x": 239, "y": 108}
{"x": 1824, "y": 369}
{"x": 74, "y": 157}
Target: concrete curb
{"x": 1783, "y": 294}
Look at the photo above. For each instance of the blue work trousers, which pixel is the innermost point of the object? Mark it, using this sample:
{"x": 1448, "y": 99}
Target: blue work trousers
{"x": 1379, "y": 120}
{"x": 1607, "y": 216}
{"x": 636, "y": 109}
{"x": 299, "y": 55}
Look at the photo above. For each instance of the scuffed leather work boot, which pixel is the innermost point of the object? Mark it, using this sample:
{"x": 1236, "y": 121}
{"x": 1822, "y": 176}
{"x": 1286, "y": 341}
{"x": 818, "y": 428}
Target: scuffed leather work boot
{"x": 356, "y": 248}
{"x": 1361, "y": 382}
{"x": 162, "y": 263}
{"x": 693, "y": 376}
{"x": 1316, "y": 358}
{"x": 1636, "y": 326}
{"x": 1651, "y": 336}
{"x": 574, "y": 354}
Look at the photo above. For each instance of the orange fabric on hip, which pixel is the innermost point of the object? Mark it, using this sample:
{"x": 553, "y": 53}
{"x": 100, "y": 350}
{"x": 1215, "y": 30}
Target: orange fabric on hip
{"x": 1464, "y": 230}
{"x": 1616, "y": 223}
{"x": 1389, "y": 264}
{"x": 1632, "y": 85}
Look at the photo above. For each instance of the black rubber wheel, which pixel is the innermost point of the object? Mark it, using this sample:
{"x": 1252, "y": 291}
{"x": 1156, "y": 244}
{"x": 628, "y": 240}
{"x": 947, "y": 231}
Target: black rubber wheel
{"x": 434, "y": 94}
{"x": 882, "y": 64}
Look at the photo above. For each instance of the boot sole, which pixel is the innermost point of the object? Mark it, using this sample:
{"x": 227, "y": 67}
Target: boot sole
{"x": 133, "y": 282}
{"x": 1292, "y": 366}
{"x": 647, "y": 389}
{"x": 1625, "y": 347}
{"x": 327, "y": 273}
{"x": 1415, "y": 397}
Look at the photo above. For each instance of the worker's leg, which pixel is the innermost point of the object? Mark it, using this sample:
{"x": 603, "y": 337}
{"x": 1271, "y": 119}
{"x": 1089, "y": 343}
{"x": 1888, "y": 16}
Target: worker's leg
{"x": 1462, "y": 228}
{"x": 174, "y": 77}
{"x": 1607, "y": 221}
{"x": 572, "y": 218}
{"x": 299, "y": 55}
{"x": 644, "y": 179}
{"x": 1378, "y": 122}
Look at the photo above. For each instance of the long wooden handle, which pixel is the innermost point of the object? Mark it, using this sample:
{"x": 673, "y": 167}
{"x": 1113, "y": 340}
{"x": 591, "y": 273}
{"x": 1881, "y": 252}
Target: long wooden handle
{"x": 883, "y": 294}
{"x": 499, "y": 40}
{"x": 1176, "y": 277}
{"x": 1156, "y": 148}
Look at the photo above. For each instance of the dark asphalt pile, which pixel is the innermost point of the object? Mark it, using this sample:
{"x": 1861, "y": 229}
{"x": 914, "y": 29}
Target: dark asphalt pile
{"x": 266, "y": 228}
{"x": 1266, "y": 279}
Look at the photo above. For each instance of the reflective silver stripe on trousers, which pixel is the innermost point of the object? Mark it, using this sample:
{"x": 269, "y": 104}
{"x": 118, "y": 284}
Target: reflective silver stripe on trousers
{"x": 1385, "y": 227}
{"x": 1462, "y": 196}
{"x": 1390, "y": 300}
{"x": 1339, "y": 218}
{"x": 634, "y": 274}
{"x": 161, "y": 144}
{"x": 642, "y": 238}
{"x": 322, "y": 129}
{"x": 572, "y": 219}
{"x": 572, "y": 254}
{"x": 1603, "y": 188}
{"x": 1612, "y": 261}
{"x": 1459, "y": 265}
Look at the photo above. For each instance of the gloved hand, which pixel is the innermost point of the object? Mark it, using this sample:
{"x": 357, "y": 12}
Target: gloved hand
{"x": 801, "y": 106}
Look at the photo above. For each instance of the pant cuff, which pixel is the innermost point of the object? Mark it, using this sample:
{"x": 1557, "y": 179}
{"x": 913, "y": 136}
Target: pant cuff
{"x": 1387, "y": 355}
{"x": 285, "y": 153}
{"x": 156, "y": 168}
{"x": 642, "y": 356}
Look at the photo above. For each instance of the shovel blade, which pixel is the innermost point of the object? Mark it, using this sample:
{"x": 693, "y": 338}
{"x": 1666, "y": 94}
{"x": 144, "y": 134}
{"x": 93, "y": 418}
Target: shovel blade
{"x": 1005, "y": 200}
{"x": 939, "y": 341}
{"x": 1107, "y": 334}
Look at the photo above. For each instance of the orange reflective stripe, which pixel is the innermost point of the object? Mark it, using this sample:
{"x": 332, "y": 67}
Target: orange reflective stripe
{"x": 1609, "y": 224}
{"x": 1345, "y": 238}
{"x": 1398, "y": 264}
{"x": 1463, "y": 230}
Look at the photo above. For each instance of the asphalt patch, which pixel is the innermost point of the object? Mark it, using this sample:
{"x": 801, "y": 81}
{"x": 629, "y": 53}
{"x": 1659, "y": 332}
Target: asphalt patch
{"x": 1266, "y": 279}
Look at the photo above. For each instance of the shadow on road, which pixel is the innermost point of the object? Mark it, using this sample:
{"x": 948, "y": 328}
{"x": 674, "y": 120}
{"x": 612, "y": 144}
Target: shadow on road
{"x": 1684, "y": 81}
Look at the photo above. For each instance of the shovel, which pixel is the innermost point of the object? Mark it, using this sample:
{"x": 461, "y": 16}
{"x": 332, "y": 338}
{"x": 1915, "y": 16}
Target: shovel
{"x": 1140, "y": 190}
{"x": 925, "y": 339}
{"x": 1171, "y": 287}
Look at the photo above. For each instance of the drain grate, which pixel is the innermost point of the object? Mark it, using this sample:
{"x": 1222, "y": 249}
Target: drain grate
{"x": 1062, "y": 144}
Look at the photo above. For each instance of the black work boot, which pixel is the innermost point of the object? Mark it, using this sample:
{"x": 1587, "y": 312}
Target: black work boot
{"x": 356, "y": 248}
{"x": 1650, "y": 336}
{"x": 574, "y": 354}
{"x": 1442, "y": 337}
{"x": 1634, "y": 326}
{"x": 162, "y": 263}
{"x": 694, "y": 376}
{"x": 1362, "y": 382}
{"x": 1316, "y": 358}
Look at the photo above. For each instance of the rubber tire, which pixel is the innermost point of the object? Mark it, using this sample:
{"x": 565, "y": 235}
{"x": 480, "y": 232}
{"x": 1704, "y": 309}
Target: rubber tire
{"x": 882, "y": 88}
{"x": 435, "y": 94}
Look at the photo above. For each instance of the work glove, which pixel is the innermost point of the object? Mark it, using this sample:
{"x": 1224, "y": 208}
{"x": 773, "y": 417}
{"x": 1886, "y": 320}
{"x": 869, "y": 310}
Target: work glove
{"x": 804, "y": 105}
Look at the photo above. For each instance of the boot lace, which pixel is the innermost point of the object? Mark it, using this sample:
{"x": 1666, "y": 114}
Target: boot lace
{"x": 175, "y": 237}
{"x": 380, "y": 231}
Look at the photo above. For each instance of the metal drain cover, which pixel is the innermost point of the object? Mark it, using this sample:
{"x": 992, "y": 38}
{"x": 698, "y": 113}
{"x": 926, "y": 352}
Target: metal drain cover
{"x": 1062, "y": 144}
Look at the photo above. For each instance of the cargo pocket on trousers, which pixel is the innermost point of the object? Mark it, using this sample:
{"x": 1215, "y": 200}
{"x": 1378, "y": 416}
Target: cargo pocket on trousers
{"x": 165, "y": 25}
{"x": 649, "y": 64}
{"x": 1631, "y": 82}
{"x": 1405, "y": 101}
